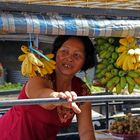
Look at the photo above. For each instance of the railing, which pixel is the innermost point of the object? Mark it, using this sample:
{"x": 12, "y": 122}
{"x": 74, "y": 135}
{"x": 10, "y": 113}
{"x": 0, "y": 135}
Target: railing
{"x": 97, "y": 100}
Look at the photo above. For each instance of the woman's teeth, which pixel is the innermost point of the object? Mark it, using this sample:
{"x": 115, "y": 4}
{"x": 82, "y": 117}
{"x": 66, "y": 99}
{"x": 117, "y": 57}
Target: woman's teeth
{"x": 67, "y": 66}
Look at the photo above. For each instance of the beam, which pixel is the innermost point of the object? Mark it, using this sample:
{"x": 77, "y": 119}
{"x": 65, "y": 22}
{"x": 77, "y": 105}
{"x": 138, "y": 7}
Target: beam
{"x": 38, "y": 8}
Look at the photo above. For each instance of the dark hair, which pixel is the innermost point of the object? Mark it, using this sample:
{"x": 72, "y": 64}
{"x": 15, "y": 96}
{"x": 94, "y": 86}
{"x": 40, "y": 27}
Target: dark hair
{"x": 90, "y": 52}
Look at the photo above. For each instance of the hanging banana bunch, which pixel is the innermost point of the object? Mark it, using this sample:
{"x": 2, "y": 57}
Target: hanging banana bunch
{"x": 33, "y": 66}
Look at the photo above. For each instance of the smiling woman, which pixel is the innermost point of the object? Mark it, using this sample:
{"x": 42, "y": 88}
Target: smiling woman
{"x": 44, "y": 121}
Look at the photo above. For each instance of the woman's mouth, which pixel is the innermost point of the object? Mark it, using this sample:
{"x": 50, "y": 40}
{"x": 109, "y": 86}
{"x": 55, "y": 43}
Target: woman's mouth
{"x": 67, "y": 65}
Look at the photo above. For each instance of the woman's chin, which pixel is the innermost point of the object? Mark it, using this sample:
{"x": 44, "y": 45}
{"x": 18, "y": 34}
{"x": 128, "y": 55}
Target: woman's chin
{"x": 68, "y": 72}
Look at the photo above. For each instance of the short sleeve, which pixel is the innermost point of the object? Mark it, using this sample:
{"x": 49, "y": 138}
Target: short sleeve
{"x": 80, "y": 87}
{"x": 85, "y": 90}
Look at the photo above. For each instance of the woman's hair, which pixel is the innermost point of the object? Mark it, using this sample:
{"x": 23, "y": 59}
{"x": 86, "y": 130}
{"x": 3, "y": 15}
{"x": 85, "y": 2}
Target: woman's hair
{"x": 90, "y": 51}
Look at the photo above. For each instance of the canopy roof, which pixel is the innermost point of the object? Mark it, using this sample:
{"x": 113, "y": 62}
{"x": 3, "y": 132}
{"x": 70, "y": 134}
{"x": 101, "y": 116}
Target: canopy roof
{"x": 67, "y": 25}
{"x": 40, "y": 17}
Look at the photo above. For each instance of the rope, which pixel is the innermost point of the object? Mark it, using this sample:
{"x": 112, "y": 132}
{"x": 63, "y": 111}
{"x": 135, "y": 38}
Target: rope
{"x": 36, "y": 51}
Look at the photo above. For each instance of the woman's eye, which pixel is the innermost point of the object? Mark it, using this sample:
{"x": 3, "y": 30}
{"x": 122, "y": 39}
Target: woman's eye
{"x": 64, "y": 51}
{"x": 77, "y": 56}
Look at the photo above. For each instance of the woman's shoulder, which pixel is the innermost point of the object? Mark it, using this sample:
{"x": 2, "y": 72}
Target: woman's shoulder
{"x": 37, "y": 80}
{"x": 80, "y": 86}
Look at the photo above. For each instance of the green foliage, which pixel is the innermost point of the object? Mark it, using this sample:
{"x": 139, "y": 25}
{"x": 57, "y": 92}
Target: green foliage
{"x": 10, "y": 86}
{"x": 93, "y": 89}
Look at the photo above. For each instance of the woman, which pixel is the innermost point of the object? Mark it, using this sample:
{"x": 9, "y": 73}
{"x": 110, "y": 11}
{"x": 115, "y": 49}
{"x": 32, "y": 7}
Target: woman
{"x": 43, "y": 122}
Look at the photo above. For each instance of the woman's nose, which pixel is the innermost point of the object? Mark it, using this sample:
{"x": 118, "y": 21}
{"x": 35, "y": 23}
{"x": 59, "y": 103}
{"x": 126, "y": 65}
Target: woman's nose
{"x": 70, "y": 57}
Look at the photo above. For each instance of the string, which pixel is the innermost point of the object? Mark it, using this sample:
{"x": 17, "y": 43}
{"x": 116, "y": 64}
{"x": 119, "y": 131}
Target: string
{"x": 36, "y": 51}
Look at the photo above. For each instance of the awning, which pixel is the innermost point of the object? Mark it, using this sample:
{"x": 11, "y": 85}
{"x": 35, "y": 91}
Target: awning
{"x": 55, "y": 24}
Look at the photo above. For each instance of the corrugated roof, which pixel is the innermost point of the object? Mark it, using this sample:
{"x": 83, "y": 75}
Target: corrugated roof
{"x": 117, "y": 4}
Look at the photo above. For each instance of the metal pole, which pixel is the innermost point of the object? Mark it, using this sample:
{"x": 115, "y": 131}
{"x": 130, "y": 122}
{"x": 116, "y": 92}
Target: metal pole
{"x": 97, "y": 98}
{"x": 107, "y": 115}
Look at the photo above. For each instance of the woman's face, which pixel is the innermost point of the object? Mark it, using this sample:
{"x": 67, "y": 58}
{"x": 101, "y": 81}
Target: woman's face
{"x": 70, "y": 57}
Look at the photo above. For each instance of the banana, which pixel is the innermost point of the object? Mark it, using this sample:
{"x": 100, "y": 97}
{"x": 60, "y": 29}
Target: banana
{"x": 36, "y": 69}
{"x": 137, "y": 80}
{"x": 133, "y": 74}
{"x": 108, "y": 55}
{"x": 48, "y": 69}
{"x": 114, "y": 55}
{"x": 108, "y": 75}
{"x": 43, "y": 72}
{"x": 122, "y": 73}
{"x": 118, "y": 88}
{"x": 33, "y": 73}
{"x": 130, "y": 80}
{"x": 50, "y": 64}
{"x": 110, "y": 67}
{"x": 137, "y": 70}
{"x": 109, "y": 84}
{"x": 22, "y": 57}
{"x": 121, "y": 49}
{"x": 134, "y": 63}
{"x": 34, "y": 60}
{"x": 50, "y": 55}
{"x": 24, "y": 67}
{"x": 131, "y": 62}
{"x": 116, "y": 80}
{"x": 133, "y": 43}
{"x": 100, "y": 66}
{"x": 112, "y": 83}
{"x": 24, "y": 49}
{"x": 125, "y": 63}
{"x": 120, "y": 60}
{"x": 123, "y": 82}
{"x": 114, "y": 72}
{"x": 103, "y": 54}
{"x": 130, "y": 39}
{"x": 123, "y": 41}
{"x": 130, "y": 88}
{"x": 29, "y": 67}
{"x": 104, "y": 80}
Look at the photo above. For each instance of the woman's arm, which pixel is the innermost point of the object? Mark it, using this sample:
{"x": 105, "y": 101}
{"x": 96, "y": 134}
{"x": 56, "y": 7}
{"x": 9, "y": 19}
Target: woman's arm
{"x": 38, "y": 87}
{"x": 85, "y": 126}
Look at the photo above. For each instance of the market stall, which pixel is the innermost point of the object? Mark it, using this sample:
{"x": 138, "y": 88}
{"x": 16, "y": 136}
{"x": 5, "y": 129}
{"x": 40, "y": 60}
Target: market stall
{"x": 41, "y": 21}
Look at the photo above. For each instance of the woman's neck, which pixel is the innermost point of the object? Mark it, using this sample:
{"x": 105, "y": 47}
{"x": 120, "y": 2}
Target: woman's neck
{"x": 63, "y": 83}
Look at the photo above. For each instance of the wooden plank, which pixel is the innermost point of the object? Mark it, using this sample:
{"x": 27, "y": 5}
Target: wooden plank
{"x": 34, "y": 8}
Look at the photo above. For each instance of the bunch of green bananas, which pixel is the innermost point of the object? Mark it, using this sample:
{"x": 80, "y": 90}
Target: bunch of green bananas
{"x": 32, "y": 65}
{"x": 123, "y": 80}
{"x": 129, "y": 54}
{"x": 107, "y": 56}
{"x": 112, "y": 76}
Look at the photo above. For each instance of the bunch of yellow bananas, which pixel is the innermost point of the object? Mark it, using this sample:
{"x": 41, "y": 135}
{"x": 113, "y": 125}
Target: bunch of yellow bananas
{"x": 32, "y": 66}
{"x": 129, "y": 58}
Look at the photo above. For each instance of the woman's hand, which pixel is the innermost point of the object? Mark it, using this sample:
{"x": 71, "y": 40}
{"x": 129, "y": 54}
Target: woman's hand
{"x": 69, "y": 96}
